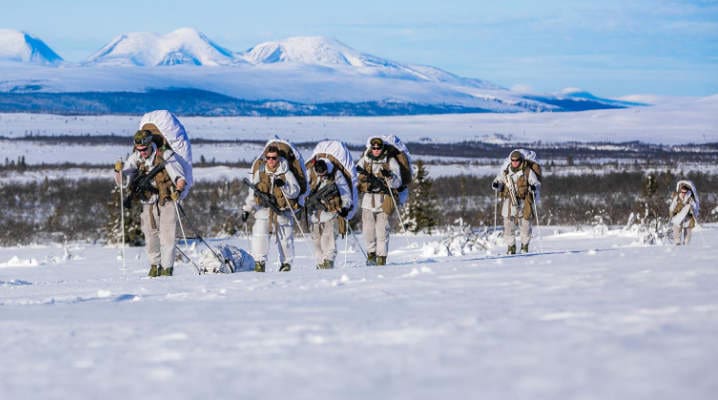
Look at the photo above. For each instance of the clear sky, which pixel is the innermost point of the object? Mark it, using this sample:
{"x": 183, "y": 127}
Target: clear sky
{"x": 609, "y": 47}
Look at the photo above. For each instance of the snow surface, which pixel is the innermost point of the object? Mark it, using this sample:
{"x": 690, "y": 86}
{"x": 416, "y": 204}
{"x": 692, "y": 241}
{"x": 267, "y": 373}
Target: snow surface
{"x": 592, "y": 315}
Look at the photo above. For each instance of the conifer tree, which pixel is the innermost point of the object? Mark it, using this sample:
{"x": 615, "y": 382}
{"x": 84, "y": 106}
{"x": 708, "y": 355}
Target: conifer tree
{"x": 420, "y": 212}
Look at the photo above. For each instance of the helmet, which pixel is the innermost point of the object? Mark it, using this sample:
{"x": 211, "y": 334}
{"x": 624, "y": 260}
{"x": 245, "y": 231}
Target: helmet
{"x": 516, "y": 155}
{"x": 143, "y": 138}
{"x": 376, "y": 142}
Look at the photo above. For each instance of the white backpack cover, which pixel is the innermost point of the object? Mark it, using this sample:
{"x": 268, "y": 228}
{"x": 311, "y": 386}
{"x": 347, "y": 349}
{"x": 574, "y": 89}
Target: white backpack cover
{"x": 176, "y": 136}
{"x": 343, "y": 156}
{"x": 678, "y": 218}
{"x": 239, "y": 259}
{"x": 528, "y": 155}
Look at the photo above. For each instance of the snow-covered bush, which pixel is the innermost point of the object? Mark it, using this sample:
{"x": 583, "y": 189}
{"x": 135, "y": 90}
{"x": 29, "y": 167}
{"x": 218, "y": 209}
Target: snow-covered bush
{"x": 461, "y": 239}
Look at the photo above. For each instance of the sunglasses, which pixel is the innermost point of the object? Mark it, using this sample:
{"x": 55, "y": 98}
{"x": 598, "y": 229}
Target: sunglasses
{"x": 375, "y": 148}
{"x": 271, "y": 157}
{"x": 512, "y": 160}
{"x": 142, "y": 149}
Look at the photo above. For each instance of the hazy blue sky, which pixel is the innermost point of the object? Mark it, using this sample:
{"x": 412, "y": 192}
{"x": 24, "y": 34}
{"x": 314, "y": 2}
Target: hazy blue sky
{"x": 609, "y": 47}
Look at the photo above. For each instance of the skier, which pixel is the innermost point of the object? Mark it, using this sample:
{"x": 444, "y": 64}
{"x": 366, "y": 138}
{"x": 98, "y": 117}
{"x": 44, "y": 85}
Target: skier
{"x": 519, "y": 184}
{"x": 275, "y": 192}
{"x": 157, "y": 178}
{"x": 683, "y": 211}
{"x": 329, "y": 199}
{"x": 379, "y": 173}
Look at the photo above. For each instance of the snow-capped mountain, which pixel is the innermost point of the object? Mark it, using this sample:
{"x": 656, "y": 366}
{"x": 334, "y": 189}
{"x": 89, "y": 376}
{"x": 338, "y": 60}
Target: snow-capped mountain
{"x": 18, "y": 46}
{"x": 296, "y": 76}
{"x": 323, "y": 51}
{"x": 183, "y": 46}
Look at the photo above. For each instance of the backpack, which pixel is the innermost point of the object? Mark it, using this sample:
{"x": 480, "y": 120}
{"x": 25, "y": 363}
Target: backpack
{"x": 169, "y": 133}
{"x": 296, "y": 165}
{"x": 396, "y": 149}
{"x": 338, "y": 153}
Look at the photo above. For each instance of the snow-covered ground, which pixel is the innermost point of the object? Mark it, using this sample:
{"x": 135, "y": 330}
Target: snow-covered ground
{"x": 591, "y": 315}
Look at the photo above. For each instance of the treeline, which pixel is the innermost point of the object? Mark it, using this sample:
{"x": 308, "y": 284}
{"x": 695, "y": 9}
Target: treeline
{"x": 57, "y": 210}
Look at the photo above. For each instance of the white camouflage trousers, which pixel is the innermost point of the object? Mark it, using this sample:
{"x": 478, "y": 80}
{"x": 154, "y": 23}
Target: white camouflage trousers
{"x": 681, "y": 236}
{"x": 283, "y": 231}
{"x": 160, "y": 239}
{"x": 524, "y": 231}
{"x": 375, "y": 226}
{"x": 324, "y": 237}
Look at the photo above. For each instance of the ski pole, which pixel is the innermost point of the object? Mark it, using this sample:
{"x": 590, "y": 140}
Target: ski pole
{"x": 179, "y": 219}
{"x": 396, "y": 206}
{"x": 199, "y": 270}
{"x": 538, "y": 230}
{"x": 351, "y": 231}
{"x": 496, "y": 207}
{"x": 221, "y": 259}
{"x": 122, "y": 219}
{"x": 346, "y": 247}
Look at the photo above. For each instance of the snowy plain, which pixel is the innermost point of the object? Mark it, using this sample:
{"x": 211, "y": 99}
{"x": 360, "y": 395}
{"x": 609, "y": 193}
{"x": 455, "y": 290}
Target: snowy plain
{"x": 674, "y": 121}
{"x": 591, "y": 314}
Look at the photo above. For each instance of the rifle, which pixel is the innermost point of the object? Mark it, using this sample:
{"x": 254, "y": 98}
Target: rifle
{"x": 314, "y": 200}
{"x": 141, "y": 183}
{"x": 373, "y": 180}
{"x": 265, "y": 199}
{"x": 511, "y": 188}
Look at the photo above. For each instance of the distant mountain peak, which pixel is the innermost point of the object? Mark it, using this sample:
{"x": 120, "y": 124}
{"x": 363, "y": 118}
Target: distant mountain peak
{"x": 319, "y": 50}
{"x": 182, "y": 46}
{"x": 18, "y": 46}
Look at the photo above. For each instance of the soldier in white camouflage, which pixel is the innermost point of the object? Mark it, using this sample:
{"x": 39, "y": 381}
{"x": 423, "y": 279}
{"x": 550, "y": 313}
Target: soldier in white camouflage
{"x": 683, "y": 211}
{"x": 159, "y": 216}
{"x": 276, "y": 180}
{"x": 382, "y": 174}
{"x": 518, "y": 185}
{"x": 329, "y": 199}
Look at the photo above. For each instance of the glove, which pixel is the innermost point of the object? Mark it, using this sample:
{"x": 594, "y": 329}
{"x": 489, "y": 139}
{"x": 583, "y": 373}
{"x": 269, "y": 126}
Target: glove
{"x": 278, "y": 182}
{"x": 245, "y": 215}
{"x": 373, "y": 188}
{"x": 495, "y": 185}
{"x": 385, "y": 173}
{"x": 532, "y": 188}
{"x": 344, "y": 212}
{"x": 175, "y": 195}
{"x": 118, "y": 166}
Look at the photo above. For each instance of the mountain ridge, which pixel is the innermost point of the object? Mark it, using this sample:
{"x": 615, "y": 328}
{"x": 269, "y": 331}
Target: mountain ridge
{"x": 306, "y": 70}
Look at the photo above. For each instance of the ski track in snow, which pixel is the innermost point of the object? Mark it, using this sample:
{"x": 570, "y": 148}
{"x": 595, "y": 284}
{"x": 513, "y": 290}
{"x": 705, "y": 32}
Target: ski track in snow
{"x": 585, "y": 316}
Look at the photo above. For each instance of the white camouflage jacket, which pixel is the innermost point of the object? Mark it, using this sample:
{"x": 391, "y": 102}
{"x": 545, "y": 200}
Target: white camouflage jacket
{"x": 135, "y": 160}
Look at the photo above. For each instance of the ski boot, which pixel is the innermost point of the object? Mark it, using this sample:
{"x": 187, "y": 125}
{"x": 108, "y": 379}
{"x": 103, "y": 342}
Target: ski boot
{"x": 154, "y": 271}
{"x": 380, "y": 260}
{"x": 371, "y": 259}
{"x": 512, "y": 249}
{"x": 285, "y": 267}
{"x": 524, "y": 248}
{"x": 166, "y": 271}
{"x": 259, "y": 266}
{"x": 328, "y": 264}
